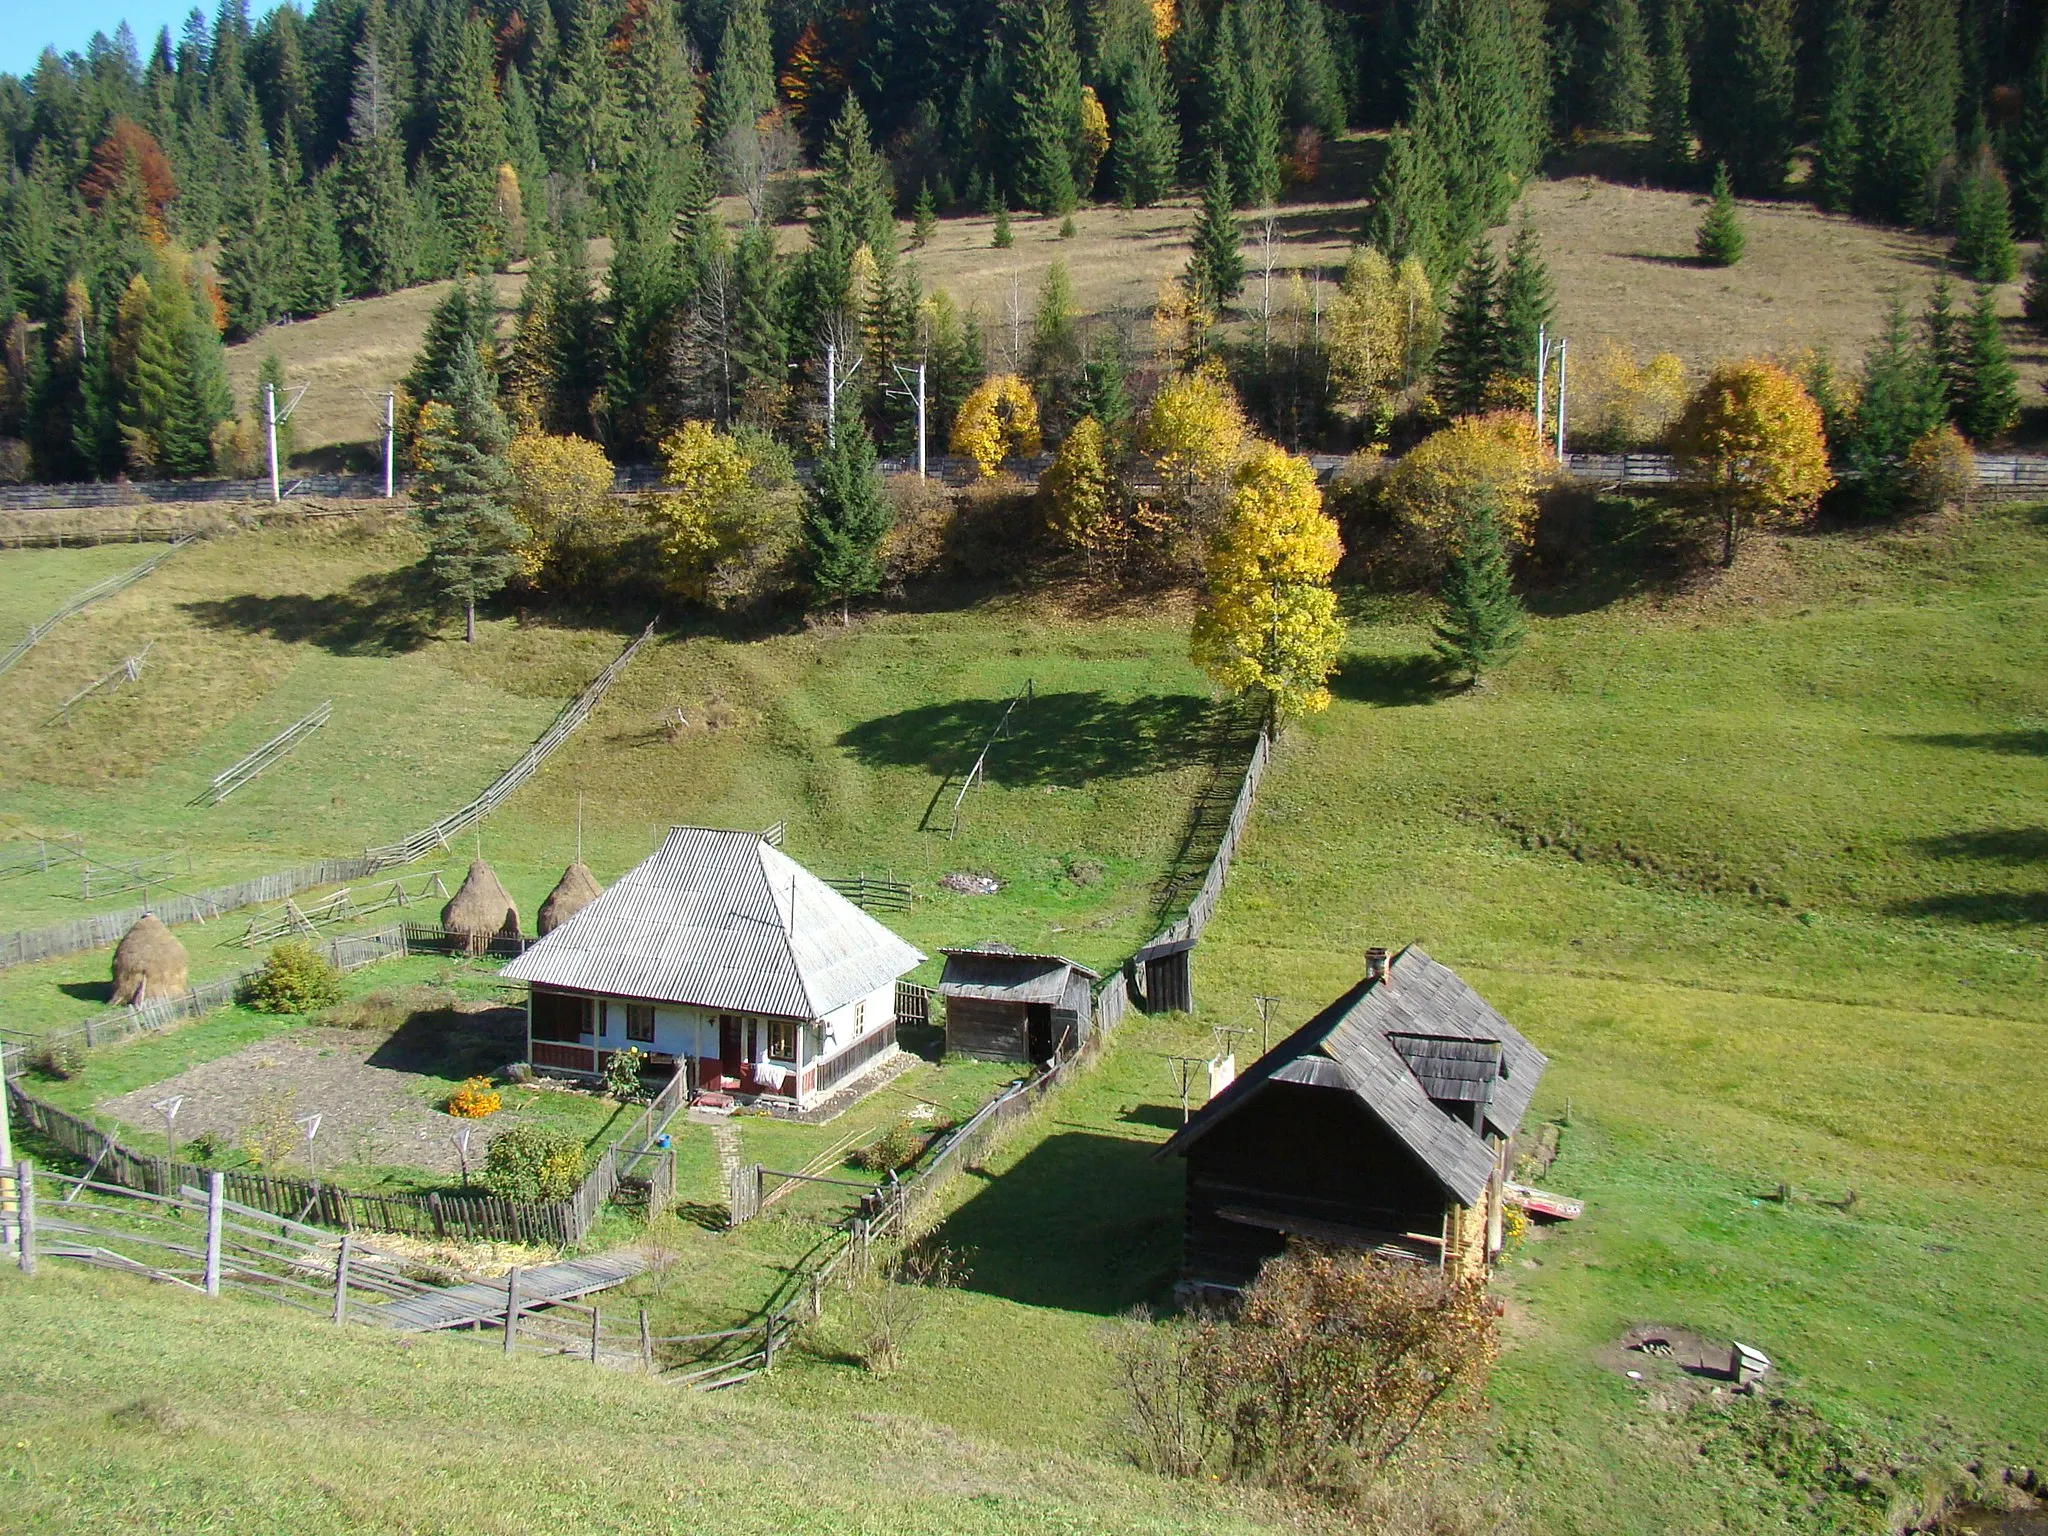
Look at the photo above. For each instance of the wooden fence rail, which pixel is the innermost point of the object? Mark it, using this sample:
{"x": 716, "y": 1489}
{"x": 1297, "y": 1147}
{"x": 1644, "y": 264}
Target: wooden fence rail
{"x": 80, "y": 601}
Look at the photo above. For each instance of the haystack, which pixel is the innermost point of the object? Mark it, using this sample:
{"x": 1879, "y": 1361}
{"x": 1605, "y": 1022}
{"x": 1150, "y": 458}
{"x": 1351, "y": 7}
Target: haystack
{"x": 577, "y": 889}
{"x": 150, "y": 965}
{"x": 480, "y": 910}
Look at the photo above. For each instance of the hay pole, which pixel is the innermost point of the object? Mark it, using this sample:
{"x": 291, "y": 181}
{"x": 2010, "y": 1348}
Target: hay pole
{"x": 84, "y": 600}
{"x": 128, "y": 671}
{"x": 230, "y": 779}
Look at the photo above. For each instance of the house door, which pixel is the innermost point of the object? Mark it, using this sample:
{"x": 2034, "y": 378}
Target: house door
{"x": 1038, "y": 1032}
{"x": 732, "y": 1053}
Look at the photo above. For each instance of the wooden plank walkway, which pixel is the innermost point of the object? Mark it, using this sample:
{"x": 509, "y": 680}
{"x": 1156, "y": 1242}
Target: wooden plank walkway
{"x": 481, "y": 1302}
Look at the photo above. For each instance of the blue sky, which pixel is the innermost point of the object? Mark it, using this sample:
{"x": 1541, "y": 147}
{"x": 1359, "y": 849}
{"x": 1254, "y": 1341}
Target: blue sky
{"x": 27, "y": 28}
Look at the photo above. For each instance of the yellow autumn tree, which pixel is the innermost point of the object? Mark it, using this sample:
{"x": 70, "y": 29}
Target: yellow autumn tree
{"x": 1430, "y": 489}
{"x": 1000, "y": 418}
{"x": 1194, "y": 433}
{"x": 1094, "y": 139}
{"x": 1751, "y": 443}
{"x": 1079, "y": 495}
{"x": 1619, "y": 403}
{"x": 562, "y": 496}
{"x": 1268, "y": 621}
{"x": 1381, "y": 324}
{"x": 727, "y": 520}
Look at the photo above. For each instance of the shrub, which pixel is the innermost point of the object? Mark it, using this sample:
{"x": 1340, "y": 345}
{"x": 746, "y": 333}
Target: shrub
{"x": 295, "y": 979}
{"x": 55, "y": 1060}
{"x": 918, "y": 539}
{"x": 1494, "y": 457}
{"x": 1618, "y": 403}
{"x": 896, "y": 1148}
{"x": 892, "y": 1300}
{"x": 622, "y": 1073}
{"x": 533, "y": 1162}
{"x": 1940, "y": 470}
{"x": 474, "y": 1099}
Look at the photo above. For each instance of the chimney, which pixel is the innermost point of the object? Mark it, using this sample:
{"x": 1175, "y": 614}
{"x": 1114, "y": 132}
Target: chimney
{"x": 1376, "y": 965}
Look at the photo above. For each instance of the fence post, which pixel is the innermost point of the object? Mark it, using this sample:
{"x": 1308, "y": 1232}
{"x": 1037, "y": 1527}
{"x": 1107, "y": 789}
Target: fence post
{"x": 341, "y": 1277}
{"x": 25, "y": 1214}
{"x": 511, "y": 1308}
{"x": 593, "y": 1335}
{"x": 768, "y": 1343}
{"x": 214, "y": 1197}
{"x": 646, "y": 1343}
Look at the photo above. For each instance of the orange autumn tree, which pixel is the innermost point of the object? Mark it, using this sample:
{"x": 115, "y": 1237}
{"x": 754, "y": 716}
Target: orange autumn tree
{"x": 1751, "y": 443}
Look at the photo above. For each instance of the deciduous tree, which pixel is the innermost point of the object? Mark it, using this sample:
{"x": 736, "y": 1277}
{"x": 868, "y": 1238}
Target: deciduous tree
{"x": 1751, "y": 443}
{"x": 998, "y": 419}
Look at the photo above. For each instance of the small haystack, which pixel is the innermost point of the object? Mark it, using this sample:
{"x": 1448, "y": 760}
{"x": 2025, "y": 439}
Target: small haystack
{"x": 150, "y": 965}
{"x": 577, "y": 889}
{"x": 481, "y": 910}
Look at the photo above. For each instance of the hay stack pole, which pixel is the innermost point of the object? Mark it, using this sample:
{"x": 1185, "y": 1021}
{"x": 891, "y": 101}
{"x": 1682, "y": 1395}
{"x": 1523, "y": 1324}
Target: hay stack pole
{"x": 577, "y": 889}
{"x": 150, "y": 965}
{"x": 481, "y": 910}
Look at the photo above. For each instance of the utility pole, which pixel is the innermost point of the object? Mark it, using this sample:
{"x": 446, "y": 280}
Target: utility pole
{"x": 914, "y": 393}
{"x": 1183, "y": 1069}
{"x": 1562, "y": 346}
{"x": 272, "y": 417}
{"x": 833, "y": 379}
{"x": 1265, "y": 1000}
{"x": 1542, "y": 371}
{"x": 390, "y": 438}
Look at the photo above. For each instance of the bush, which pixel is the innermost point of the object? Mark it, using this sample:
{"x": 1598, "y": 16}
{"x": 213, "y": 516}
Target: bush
{"x": 1940, "y": 470}
{"x": 898, "y": 1147}
{"x": 295, "y": 979}
{"x": 474, "y": 1099}
{"x": 891, "y": 1301}
{"x": 917, "y": 542}
{"x": 56, "y": 1060}
{"x": 1429, "y": 490}
{"x": 533, "y": 1162}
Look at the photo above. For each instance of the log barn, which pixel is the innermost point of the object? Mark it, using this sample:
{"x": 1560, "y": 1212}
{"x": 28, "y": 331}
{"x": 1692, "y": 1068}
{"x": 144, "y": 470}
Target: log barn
{"x": 720, "y": 953}
{"x": 1002, "y": 1005}
{"x": 1384, "y": 1124}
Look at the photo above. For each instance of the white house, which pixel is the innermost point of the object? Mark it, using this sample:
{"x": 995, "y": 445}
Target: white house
{"x": 721, "y": 951}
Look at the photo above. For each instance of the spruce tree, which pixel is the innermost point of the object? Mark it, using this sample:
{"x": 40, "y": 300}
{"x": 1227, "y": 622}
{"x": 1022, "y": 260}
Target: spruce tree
{"x": 1720, "y": 239}
{"x": 1909, "y": 124}
{"x": 1901, "y": 400}
{"x": 1247, "y": 130}
{"x": 1144, "y": 146}
{"x": 1990, "y": 402}
{"x": 583, "y": 125}
{"x": 2034, "y": 302}
{"x": 1984, "y": 246}
{"x": 1315, "y": 84}
{"x": 762, "y": 349}
{"x": 462, "y": 492}
{"x": 1621, "y": 67}
{"x": 316, "y": 284}
{"x": 1527, "y": 301}
{"x": 743, "y": 83}
{"x": 1837, "y": 158}
{"x": 1671, "y": 86}
{"x": 1215, "y": 270}
{"x": 1411, "y": 213}
{"x": 1000, "y": 237}
{"x": 1744, "y": 91}
{"x": 1474, "y": 347}
{"x": 1945, "y": 344}
{"x": 374, "y": 205}
{"x": 845, "y": 518}
{"x": 270, "y": 375}
{"x": 461, "y": 327}
{"x": 468, "y": 148}
{"x": 579, "y": 339}
{"x": 924, "y": 218}
{"x": 255, "y": 254}
{"x": 1484, "y": 622}
{"x": 2026, "y": 148}
{"x": 1046, "y": 102}
{"x": 522, "y": 139}
{"x": 658, "y": 99}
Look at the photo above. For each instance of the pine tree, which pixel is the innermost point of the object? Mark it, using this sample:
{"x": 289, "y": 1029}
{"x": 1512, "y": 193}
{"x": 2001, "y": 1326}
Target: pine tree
{"x": 1047, "y": 105}
{"x": 1315, "y": 84}
{"x": 1474, "y": 347}
{"x": 1837, "y": 159}
{"x": 743, "y": 83}
{"x": 468, "y": 148}
{"x": 1144, "y": 144}
{"x": 1671, "y": 86}
{"x": 1946, "y": 346}
{"x": 924, "y": 218}
{"x": 1744, "y": 91}
{"x": 2034, "y": 302}
{"x": 1720, "y": 237}
{"x": 1984, "y": 246}
{"x": 1909, "y": 125}
{"x": 2026, "y": 148}
{"x": 1621, "y": 69}
{"x": 461, "y": 327}
{"x": 1901, "y": 400}
{"x": 1484, "y": 622}
{"x": 375, "y": 207}
{"x": 1215, "y": 270}
{"x": 1527, "y": 301}
{"x": 845, "y": 518}
{"x": 462, "y": 492}
{"x": 1990, "y": 402}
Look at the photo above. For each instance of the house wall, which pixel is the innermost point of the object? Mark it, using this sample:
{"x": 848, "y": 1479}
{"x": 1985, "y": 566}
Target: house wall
{"x": 990, "y": 1030}
{"x": 1302, "y": 1153}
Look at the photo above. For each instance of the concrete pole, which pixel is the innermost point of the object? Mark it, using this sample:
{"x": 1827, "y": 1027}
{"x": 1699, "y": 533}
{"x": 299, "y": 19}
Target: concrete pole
{"x": 1542, "y": 368}
{"x": 270, "y": 427}
{"x": 920, "y": 421}
{"x": 390, "y": 439}
{"x": 831, "y": 392}
{"x": 1562, "y": 347}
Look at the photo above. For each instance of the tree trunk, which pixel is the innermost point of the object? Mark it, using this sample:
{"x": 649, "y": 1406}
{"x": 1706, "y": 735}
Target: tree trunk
{"x": 1728, "y": 536}
{"x": 469, "y": 620}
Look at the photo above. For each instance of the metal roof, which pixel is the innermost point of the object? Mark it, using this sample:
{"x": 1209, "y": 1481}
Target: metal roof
{"x": 1355, "y": 1045}
{"x": 1005, "y": 976}
{"x": 720, "y": 920}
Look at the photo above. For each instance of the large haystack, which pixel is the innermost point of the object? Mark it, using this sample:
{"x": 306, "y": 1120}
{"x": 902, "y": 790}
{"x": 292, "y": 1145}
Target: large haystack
{"x": 481, "y": 910}
{"x": 577, "y": 889}
{"x": 150, "y": 965}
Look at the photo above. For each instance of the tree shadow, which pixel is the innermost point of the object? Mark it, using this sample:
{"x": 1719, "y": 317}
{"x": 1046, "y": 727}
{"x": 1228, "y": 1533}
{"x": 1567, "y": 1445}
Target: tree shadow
{"x": 445, "y": 1042}
{"x": 1989, "y": 845}
{"x": 2002, "y": 909}
{"x": 1085, "y": 1222}
{"x": 1391, "y": 682}
{"x": 2017, "y": 743}
{"x": 1594, "y": 549}
{"x": 385, "y": 613}
{"x": 1066, "y": 739}
{"x": 1660, "y": 259}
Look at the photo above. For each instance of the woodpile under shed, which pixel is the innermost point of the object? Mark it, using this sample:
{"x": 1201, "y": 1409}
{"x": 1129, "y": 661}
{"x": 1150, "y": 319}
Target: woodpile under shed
{"x": 577, "y": 889}
{"x": 150, "y": 965}
{"x": 481, "y": 910}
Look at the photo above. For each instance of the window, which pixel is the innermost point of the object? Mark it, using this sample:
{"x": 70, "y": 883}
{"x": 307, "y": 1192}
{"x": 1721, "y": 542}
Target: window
{"x": 860, "y": 1016}
{"x": 640, "y": 1022}
{"x": 782, "y": 1039}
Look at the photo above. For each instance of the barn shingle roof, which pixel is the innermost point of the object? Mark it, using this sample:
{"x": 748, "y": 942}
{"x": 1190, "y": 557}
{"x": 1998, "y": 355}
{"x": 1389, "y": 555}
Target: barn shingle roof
{"x": 1398, "y": 1046}
{"x": 1006, "y": 976}
{"x": 721, "y": 920}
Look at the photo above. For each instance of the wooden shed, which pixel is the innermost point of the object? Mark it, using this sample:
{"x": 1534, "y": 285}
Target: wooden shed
{"x": 1385, "y": 1124}
{"x": 1005, "y": 1006}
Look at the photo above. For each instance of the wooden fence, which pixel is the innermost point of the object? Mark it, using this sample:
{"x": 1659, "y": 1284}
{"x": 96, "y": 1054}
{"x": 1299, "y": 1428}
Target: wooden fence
{"x": 2023, "y": 471}
{"x": 873, "y": 894}
{"x": 250, "y": 768}
{"x": 80, "y": 601}
{"x": 573, "y": 714}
